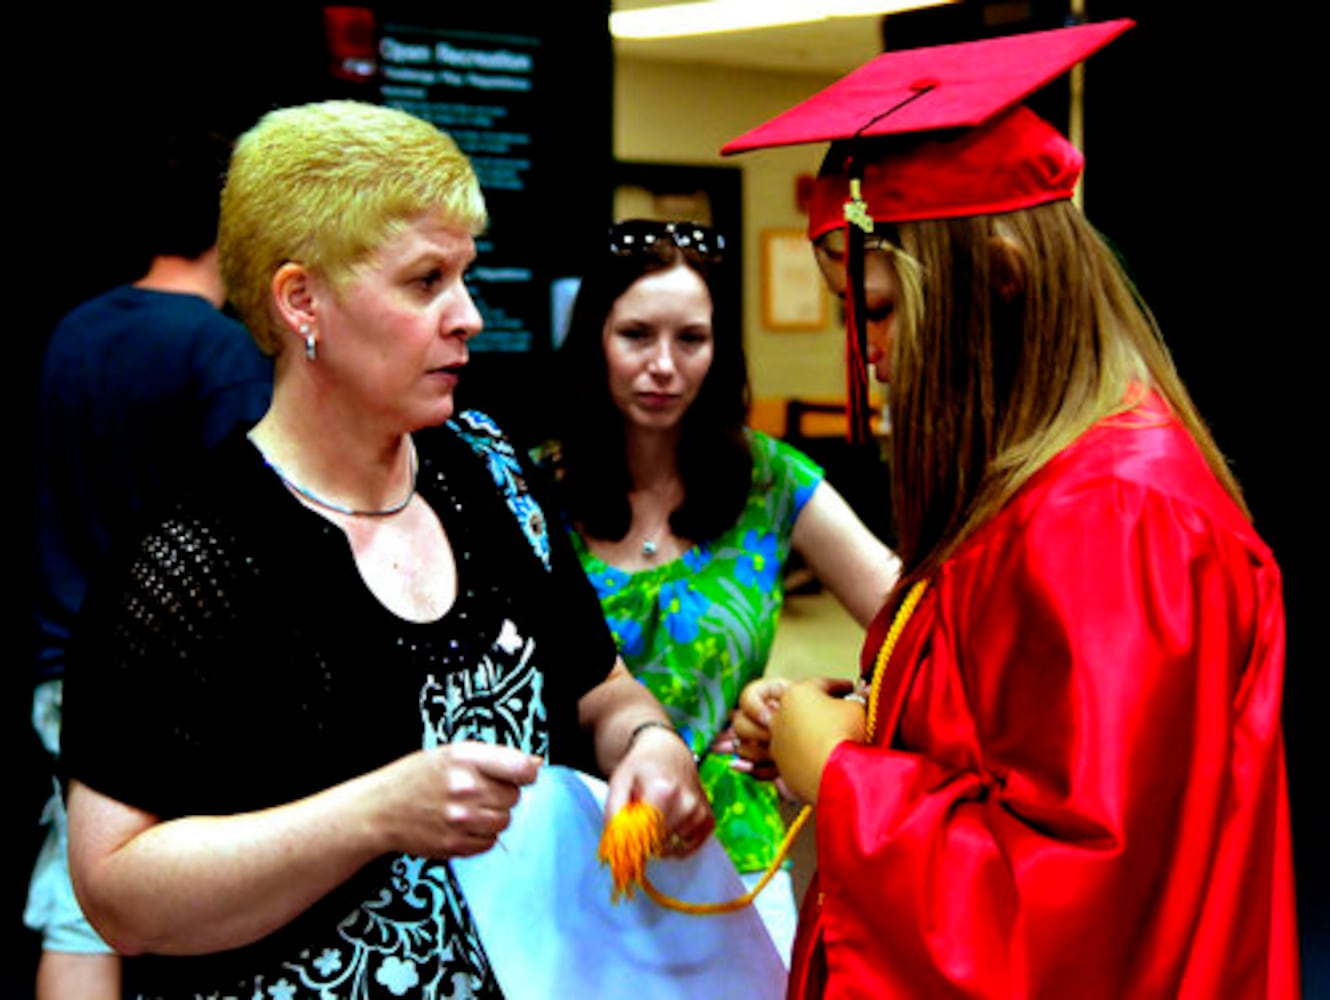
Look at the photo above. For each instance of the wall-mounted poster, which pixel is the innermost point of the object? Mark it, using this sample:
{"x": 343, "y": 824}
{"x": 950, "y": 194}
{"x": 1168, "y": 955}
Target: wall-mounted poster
{"x": 793, "y": 294}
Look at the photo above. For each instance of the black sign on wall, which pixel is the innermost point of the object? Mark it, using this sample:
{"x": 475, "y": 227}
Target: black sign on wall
{"x": 530, "y": 101}
{"x": 485, "y": 90}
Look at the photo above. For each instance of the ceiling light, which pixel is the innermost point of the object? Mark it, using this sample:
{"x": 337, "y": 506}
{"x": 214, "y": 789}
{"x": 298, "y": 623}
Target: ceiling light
{"x": 705, "y": 17}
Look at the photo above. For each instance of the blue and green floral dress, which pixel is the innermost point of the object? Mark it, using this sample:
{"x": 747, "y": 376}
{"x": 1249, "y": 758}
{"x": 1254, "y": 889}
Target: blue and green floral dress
{"x": 697, "y": 629}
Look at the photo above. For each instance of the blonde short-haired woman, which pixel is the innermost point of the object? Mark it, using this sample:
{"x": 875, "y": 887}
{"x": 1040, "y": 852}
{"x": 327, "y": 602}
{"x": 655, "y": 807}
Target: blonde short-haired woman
{"x": 332, "y": 663}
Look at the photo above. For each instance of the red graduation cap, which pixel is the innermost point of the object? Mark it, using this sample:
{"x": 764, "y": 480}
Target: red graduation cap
{"x": 927, "y": 89}
{"x": 968, "y": 146}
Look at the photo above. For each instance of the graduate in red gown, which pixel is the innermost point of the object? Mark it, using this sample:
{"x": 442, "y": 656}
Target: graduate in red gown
{"x": 1063, "y": 775}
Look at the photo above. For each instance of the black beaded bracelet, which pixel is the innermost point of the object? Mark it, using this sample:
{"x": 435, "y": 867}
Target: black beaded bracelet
{"x": 649, "y": 724}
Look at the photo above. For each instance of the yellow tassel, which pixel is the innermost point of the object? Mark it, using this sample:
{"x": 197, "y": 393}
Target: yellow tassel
{"x": 636, "y": 833}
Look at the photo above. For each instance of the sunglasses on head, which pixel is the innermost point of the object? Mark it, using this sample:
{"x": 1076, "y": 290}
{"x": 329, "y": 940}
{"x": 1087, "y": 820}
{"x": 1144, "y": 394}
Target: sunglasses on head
{"x": 634, "y": 236}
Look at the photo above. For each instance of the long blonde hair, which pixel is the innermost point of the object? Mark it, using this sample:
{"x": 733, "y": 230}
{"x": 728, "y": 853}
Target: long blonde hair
{"x": 994, "y": 374}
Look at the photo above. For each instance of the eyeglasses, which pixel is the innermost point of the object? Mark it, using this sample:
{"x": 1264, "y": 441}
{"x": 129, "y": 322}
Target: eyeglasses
{"x": 833, "y": 242}
{"x": 639, "y": 236}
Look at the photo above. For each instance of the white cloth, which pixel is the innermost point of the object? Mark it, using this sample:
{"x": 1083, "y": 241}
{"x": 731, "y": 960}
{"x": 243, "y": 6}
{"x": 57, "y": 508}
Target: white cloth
{"x": 776, "y": 905}
{"x": 541, "y": 903}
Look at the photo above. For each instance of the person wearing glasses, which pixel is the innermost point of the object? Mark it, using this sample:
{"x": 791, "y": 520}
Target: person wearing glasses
{"x": 1067, "y": 778}
{"x": 683, "y": 517}
{"x": 333, "y": 661}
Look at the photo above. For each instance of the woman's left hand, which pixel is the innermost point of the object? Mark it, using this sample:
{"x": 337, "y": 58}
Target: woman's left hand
{"x": 658, "y": 768}
{"x": 813, "y": 718}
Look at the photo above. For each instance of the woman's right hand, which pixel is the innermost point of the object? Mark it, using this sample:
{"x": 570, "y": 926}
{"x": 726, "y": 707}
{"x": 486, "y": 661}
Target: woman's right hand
{"x": 209, "y": 883}
{"x": 452, "y": 800}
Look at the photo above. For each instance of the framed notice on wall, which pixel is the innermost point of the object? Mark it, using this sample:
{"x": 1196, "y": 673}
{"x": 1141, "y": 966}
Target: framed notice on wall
{"x": 793, "y": 295}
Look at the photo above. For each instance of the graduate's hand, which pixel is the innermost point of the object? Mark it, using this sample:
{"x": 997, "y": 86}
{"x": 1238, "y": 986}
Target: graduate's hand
{"x": 751, "y": 726}
{"x": 812, "y": 719}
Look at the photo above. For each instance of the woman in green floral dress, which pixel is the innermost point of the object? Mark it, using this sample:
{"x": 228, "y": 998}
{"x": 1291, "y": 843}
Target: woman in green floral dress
{"x": 684, "y": 518}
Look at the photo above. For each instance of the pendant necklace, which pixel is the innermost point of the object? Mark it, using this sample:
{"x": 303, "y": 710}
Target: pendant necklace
{"x": 649, "y": 544}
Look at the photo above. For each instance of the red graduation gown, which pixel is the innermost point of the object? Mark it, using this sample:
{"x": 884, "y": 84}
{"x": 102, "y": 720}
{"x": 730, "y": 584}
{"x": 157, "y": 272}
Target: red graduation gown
{"x": 1078, "y": 785}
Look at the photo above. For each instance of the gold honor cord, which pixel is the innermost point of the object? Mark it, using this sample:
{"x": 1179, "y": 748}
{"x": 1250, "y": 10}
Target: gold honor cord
{"x": 637, "y": 831}
{"x": 903, "y": 614}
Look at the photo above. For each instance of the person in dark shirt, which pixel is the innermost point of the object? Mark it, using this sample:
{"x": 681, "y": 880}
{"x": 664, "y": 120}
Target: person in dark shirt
{"x": 137, "y": 385}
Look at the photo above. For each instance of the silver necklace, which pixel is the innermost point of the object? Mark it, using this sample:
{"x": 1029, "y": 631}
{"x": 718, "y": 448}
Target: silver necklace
{"x": 340, "y": 508}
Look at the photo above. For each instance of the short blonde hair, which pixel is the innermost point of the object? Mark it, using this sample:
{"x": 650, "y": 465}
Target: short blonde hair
{"x": 326, "y": 185}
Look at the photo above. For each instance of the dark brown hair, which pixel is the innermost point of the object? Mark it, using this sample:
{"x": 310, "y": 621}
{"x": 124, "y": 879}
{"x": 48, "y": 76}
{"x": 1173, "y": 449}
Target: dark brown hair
{"x": 592, "y": 476}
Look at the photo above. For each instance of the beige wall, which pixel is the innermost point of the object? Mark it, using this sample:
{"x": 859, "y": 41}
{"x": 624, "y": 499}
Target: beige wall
{"x": 682, "y": 114}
